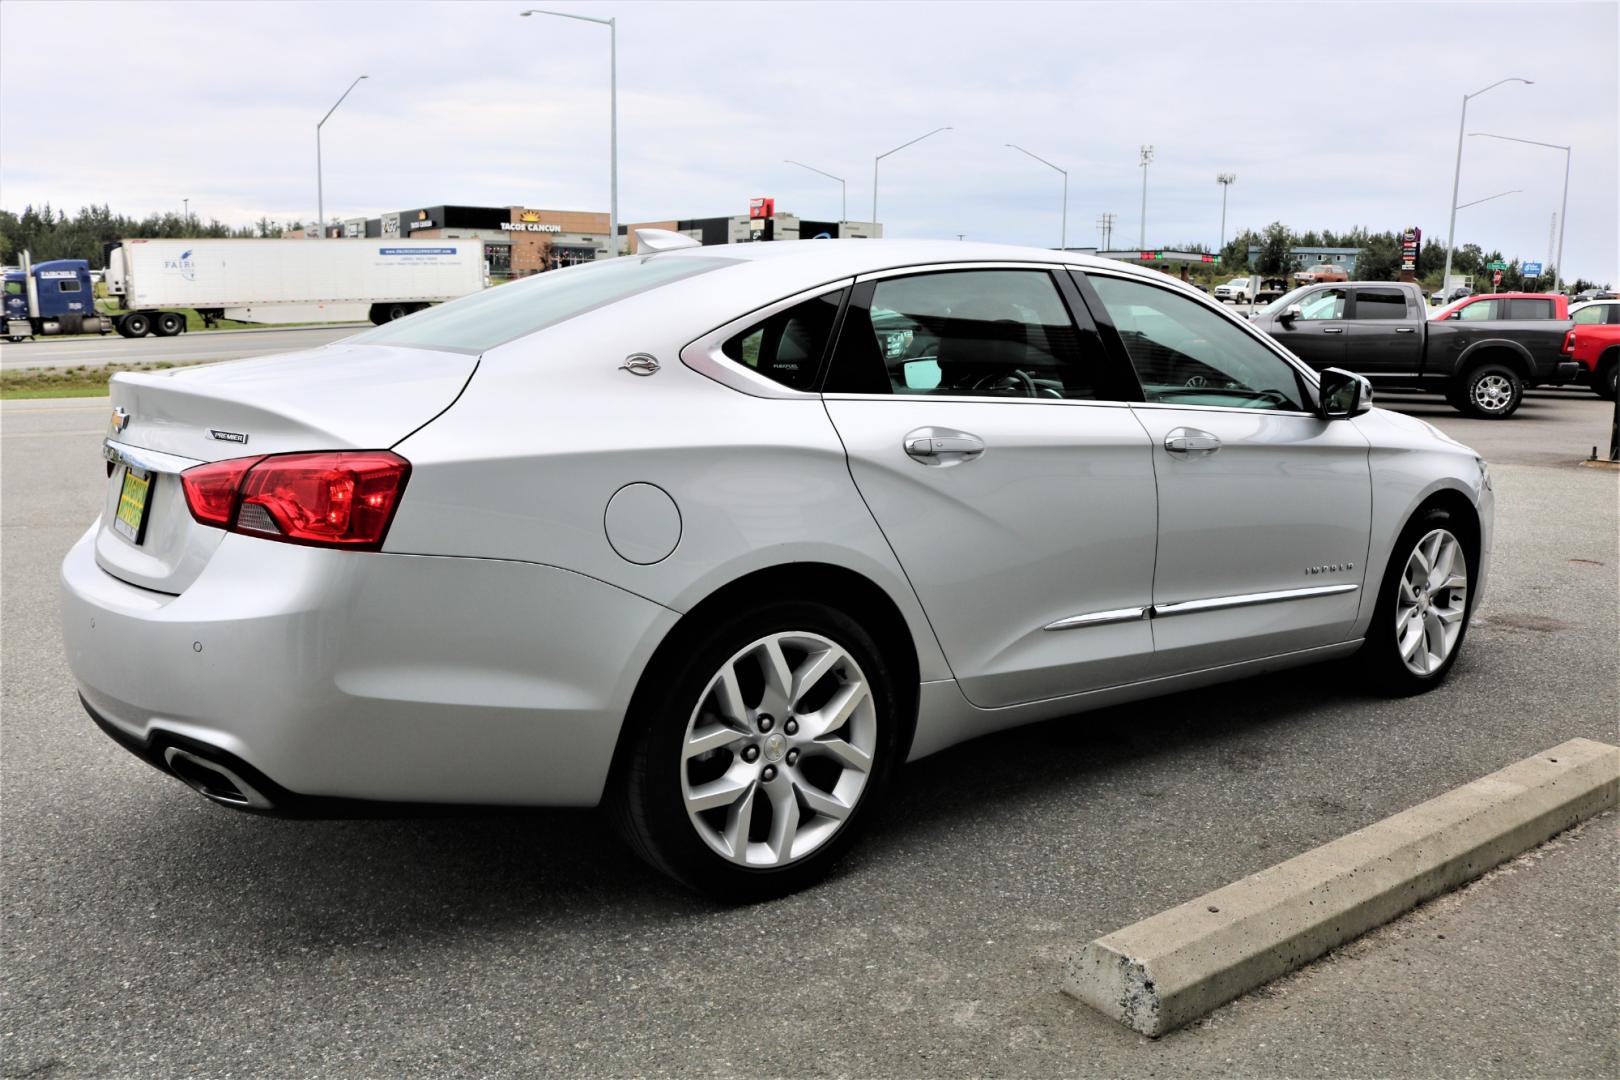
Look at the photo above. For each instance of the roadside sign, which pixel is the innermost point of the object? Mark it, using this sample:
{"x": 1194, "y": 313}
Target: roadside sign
{"x": 1411, "y": 244}
{"x": 1498, "y": 265}
{"x": 1496, "y": 278}
{"x": 1531, "y": 269}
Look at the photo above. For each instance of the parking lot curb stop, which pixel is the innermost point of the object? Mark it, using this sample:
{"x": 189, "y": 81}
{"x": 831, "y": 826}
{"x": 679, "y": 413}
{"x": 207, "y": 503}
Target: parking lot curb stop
{"x": 1172, "y": 968}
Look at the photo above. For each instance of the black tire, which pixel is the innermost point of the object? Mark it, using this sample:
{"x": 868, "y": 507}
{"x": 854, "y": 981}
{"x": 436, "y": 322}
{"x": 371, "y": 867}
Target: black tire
{"x": 1380, "y": 656}
{"x": 135, "y": 325}
{"x": 1603, "y": 383}
{"x": 168, "y": 324}
{"x": 646, "y": 800}
{"x": 1488, "y": 392}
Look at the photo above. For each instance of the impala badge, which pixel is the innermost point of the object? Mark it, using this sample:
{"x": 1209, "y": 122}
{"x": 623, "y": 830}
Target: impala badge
{"x": 1330, "y": 568}
{"x": 640, "y": 364}
{"x": 227, "y": 436}
{"x": 120, "y": 420}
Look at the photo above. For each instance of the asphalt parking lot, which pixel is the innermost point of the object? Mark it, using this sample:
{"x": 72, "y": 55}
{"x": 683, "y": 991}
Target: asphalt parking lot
{"x": 149, "y": 933}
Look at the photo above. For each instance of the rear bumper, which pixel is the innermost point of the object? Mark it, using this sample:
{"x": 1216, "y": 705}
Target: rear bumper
{"x": 366, "y": 676}
{"x": 1567, "y": 371}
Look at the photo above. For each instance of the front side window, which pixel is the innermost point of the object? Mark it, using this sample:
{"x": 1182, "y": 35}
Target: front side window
{"x": 1479, "y": 311}
{"x": 68, "y": 285}
{"x": 1380, "y": 304}
{"x": 967, "y": 333}
{"x": 1186, "y": 354}
{"x": 1327, "y": 304}
{"x": 788, "y": 347}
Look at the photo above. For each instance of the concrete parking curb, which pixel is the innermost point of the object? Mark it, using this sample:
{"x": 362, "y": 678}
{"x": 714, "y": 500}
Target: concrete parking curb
{"x": 1174, "y": 967}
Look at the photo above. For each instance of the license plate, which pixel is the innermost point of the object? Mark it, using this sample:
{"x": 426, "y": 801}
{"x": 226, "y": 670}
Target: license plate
{"x": 133, "y": 497}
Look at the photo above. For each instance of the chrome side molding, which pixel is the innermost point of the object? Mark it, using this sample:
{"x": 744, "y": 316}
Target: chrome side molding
{"x": 1099, "y": 618}
{"x": 1189, "y": 607}
{"x": 1217, "y": 603}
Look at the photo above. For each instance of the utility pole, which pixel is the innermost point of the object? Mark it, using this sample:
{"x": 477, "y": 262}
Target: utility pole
{"x": 1224, "y": 179}
{"x": 1456, "y": 176}
{"x": 1147, "y": 158}
{"x": 1551, "y": 233}
{"x": 1105, "y": 226}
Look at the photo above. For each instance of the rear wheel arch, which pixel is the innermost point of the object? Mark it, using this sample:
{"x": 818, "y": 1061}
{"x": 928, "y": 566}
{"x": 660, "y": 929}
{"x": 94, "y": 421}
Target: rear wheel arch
{"x": 1496, "y": 353}
{"x": 838, "y": 587}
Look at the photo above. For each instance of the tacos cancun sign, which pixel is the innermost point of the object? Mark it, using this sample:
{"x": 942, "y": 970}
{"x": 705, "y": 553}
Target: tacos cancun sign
{"x": 530, "y": 226}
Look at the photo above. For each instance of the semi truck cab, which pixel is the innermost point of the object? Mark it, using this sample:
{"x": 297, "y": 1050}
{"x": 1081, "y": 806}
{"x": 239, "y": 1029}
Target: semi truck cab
{"x": 52, "y": 297}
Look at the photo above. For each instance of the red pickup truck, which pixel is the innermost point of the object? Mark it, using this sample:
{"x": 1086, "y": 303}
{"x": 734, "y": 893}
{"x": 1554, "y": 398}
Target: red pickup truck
{"x": 1596, "y": 347}
{"x": 1507, "y": 305}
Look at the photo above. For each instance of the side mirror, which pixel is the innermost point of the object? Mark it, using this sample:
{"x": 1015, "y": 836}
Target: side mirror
{"x": 1292, "y": 312}
{"x": 1343, "y": 394}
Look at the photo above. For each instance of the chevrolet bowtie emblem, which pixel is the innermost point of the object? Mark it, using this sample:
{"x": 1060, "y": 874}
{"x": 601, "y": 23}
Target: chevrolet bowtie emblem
{"x": 120, "y": 420}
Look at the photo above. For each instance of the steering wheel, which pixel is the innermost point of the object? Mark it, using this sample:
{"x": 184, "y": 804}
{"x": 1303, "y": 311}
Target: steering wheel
{"x": 1015, "y": 378}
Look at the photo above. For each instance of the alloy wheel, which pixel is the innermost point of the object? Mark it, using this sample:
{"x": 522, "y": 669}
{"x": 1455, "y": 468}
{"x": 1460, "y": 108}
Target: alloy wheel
{"x": 1493, "y": 393}
{"x": 1431, "y": 602}
{"x": 779, "y": 749}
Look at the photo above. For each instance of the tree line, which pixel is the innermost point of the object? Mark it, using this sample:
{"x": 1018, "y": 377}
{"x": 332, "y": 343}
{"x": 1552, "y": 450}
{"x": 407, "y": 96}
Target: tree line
{"x": 47, "y": 233}
{"x": 1380, "y": 258}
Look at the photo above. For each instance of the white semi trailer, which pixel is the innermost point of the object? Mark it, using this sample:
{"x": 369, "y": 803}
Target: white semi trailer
{"x": 284, "y": 281}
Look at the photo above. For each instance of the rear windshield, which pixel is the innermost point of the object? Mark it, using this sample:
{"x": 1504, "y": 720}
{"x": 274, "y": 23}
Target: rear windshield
{"x": 507, "y": 312}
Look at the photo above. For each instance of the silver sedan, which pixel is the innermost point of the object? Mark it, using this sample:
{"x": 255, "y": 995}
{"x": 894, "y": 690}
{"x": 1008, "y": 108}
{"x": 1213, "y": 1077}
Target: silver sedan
{"x": 719, "y": 537}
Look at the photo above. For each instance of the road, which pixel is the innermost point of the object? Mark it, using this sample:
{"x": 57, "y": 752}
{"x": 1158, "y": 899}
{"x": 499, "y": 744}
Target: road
{"x": 148, "y": 933}
{"x": 94, "y": 350}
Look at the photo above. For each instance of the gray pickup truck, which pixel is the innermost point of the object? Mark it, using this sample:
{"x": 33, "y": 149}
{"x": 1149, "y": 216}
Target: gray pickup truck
{"x": 1381, "y": 329}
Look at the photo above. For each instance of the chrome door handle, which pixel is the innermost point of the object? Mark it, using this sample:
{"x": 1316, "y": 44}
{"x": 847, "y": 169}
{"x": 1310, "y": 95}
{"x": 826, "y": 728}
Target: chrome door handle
{"x": 1191, "y": 441}
{"x": 940, "y": 446}
{"x": 1332, "y": 329}
{"x": 1406, "y": 329}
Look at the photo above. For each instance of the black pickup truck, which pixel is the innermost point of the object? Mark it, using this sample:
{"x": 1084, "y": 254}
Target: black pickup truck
{"x": 1380, "y": 329}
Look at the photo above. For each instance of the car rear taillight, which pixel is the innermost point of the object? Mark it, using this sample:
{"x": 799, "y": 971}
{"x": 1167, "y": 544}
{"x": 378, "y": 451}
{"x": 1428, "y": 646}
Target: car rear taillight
{"x": 340, "y": 499}
{"x": 1569, "y": 342}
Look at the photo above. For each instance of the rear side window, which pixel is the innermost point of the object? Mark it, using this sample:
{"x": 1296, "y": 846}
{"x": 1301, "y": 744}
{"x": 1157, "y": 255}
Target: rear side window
{"x": 788, "y": 347}
{"x": 1380, "y": 304}
{"x": 68, "y": 285}
{"x": 1529, "y": 309}
{"x": 506, "y": 312}
{"x": 1585, "y": 316}
{"x": 967, "y": 333}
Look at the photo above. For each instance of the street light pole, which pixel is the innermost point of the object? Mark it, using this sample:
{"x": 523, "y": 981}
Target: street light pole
{"x": 1563, "y": 209}
{"x": 613, "y": 117}
{"x": 1456, "y": 176}
{"x": 885, "y": 154}
{"x": 1226, "y": 180}
{"x": 1063, "y": 241}
{"x": 1141, "y": 236}
{"x": 320, "y": 193}
{"x": 845, "y": 211}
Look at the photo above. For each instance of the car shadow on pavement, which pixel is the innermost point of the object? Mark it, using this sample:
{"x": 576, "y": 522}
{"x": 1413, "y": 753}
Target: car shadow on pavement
{"x": 302, "y": 884}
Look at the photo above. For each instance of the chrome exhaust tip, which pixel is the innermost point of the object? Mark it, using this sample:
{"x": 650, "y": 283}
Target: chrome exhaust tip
{"x": 214, "y": 781}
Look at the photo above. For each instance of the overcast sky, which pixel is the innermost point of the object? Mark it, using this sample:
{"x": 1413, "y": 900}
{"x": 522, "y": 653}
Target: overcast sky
{"x": 1331, "y": 114}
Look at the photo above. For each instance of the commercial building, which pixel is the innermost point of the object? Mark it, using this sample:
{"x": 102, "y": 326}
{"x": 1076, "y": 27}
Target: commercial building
{"x": 522, "y": 240}
{"x": 1341, "y": 257}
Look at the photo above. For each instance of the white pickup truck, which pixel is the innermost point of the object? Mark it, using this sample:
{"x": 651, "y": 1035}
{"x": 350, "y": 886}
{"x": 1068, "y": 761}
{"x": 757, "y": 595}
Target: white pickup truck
{"x": 1237, "y": 290}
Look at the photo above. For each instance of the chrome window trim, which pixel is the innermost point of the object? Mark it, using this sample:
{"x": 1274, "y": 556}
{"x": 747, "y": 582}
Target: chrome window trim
{"x": 1265, "y": 339}
{"x": 1112, "y": 403}
{"x": 152, "y": 460}
{"x": 1218, "y": 603}
{"x": 704, "y": 355}
{"x": 932, "y": 267}
{"x": 1223, "y": 409}
{"x": 1099, "y": 618}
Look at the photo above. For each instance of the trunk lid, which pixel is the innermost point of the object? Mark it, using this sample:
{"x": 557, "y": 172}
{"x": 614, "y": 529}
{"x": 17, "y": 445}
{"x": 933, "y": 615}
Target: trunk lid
{"x": 340, "y": 397}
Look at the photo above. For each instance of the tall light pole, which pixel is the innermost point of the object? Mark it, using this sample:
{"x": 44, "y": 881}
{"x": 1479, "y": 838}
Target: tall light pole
{"x": 1063, "y": 241}
{"x": 187, "y": 214}
{"x": 1226, "y": 180}
{"x": 885, "y": 154}
{"x": 1141, "y": 237}
{"x": 1456, "y": 176}
{"x": 613, "y": 118}
{"x": 844, "y": 213}
{"x": 320, "y": 193}
{"x": 1563, "y": 209}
